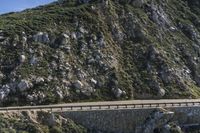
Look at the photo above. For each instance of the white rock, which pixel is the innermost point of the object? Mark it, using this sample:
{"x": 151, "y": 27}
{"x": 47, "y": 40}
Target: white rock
{"x": 161, "y": 92}
{"x": 39, "y": 80}
{"x": 93, "y": 81}
{"x": 173, "y": 28}
{"x": 73, "y": 35}
{"x": 24, "y": 39}
{"x": 50, "y": 78}
{"x": 22, "y": 58}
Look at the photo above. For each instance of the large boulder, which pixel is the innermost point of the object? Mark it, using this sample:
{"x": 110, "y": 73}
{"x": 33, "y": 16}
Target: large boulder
{"x": 157, "y": 118}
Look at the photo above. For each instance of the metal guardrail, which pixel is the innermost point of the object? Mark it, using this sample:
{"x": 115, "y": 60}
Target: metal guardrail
{"x": 101, "y": 106}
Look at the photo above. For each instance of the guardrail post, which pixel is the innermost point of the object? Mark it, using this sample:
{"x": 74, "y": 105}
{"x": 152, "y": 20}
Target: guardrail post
{"x": 18, "y": 110}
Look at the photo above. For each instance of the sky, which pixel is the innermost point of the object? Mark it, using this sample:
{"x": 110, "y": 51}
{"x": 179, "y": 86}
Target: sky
{"x": 19, "y": 5}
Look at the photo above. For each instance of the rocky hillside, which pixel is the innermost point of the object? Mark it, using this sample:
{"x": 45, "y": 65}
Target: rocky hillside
{"x": 77, "y": 50}
{"x": 37, "y": 122}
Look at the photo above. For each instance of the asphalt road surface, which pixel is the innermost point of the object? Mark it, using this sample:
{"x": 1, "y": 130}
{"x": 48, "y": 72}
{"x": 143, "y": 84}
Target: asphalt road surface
{"x": 129, "y": 104}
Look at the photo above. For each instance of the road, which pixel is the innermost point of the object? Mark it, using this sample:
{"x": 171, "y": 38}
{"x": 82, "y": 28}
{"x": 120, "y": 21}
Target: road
{"x": 130, "y": 104}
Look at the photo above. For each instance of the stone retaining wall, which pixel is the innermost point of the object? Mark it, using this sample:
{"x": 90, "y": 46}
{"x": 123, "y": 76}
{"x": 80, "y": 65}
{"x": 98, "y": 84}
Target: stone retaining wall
{"x": 128, "y": 120}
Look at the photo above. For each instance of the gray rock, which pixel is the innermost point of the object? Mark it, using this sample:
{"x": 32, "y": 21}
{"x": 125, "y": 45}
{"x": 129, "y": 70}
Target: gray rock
{"x": 158, "y": 16}
{"x": 197, "y": 79}
{"x": 34, "y": 60}
{"x": 152, "y": 52}
{"x": 171, "y": 128}
{"x": 87, "y": 91}
{"x": 117, "y": 92}
{"x": 29, "y": 97}
{"x": 157, "y": 119}
{"x": 78, "y": 84}
{"x": 82, "y": 30}
{"x": 81, "y": 74}
{"x": 51, "y": 119}
{"x": 190, "y": 32}
{"x": 39, "y": 80}
{"x": 41, "y": 37}
{"x": 101, "y": 42}
{"x": 24, "y": 85}
{"x": 65, "y": 39}
{"x": 4, "y": 91}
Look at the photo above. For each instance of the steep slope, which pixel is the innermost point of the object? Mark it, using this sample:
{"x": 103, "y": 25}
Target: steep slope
{"x": 37, "y": 122}
{"x": 100, "y": 50}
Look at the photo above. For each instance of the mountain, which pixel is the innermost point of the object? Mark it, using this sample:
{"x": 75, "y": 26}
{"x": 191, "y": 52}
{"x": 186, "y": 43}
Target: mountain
{"x": 89, "y": 50}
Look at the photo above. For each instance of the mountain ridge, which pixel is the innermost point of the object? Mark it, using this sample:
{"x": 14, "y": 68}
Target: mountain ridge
{"x": 100, "y": 50}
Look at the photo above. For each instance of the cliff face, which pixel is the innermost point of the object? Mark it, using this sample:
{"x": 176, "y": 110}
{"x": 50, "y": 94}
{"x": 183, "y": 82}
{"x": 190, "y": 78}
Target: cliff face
{"x": 100, "y": 50}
